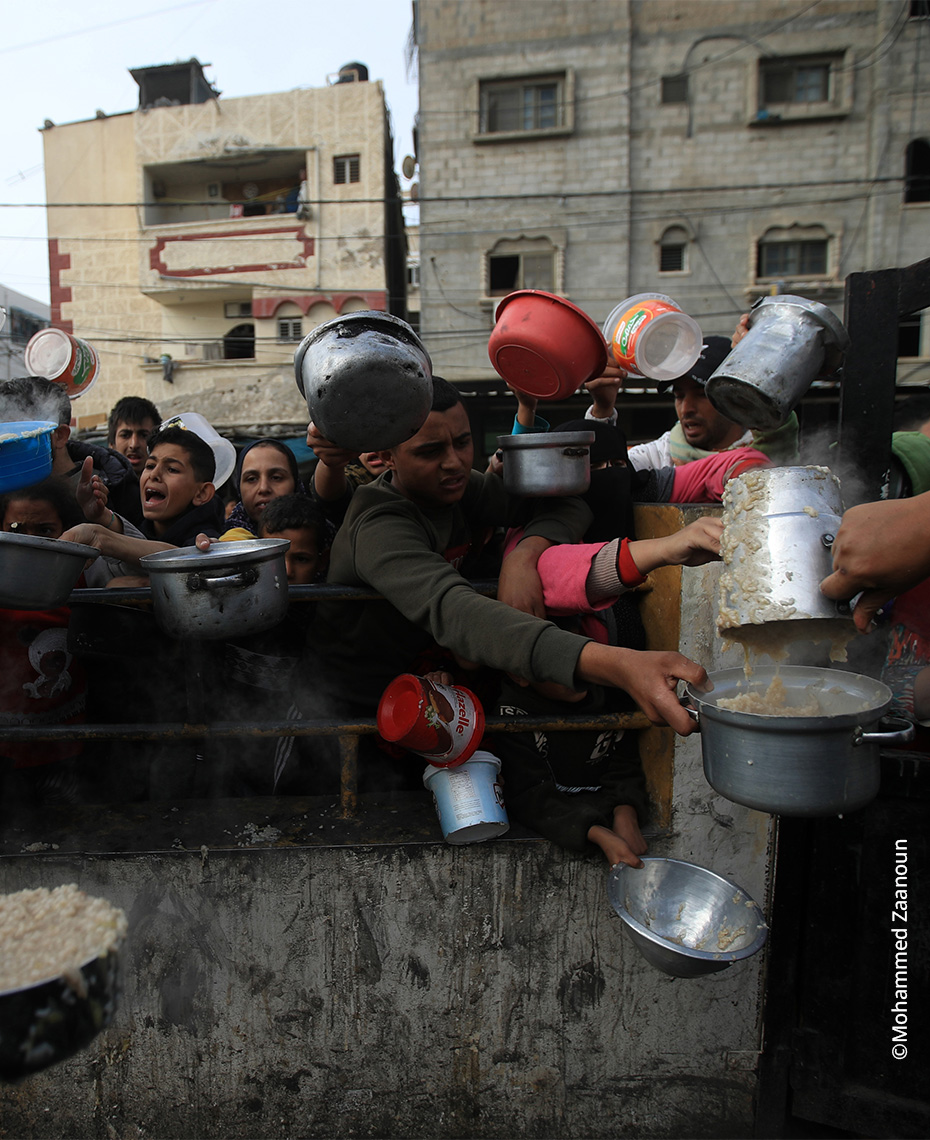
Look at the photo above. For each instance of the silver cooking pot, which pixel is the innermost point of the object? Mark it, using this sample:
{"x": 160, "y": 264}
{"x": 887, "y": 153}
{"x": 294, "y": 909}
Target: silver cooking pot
{"x": 233, "y": 589}
{"x": 796, "y": 765}
{"x": 537, "y": 464}
{"x": 367, "y": 380}
{"x": 779, "y": 525}
{"x": 790, "y": 342}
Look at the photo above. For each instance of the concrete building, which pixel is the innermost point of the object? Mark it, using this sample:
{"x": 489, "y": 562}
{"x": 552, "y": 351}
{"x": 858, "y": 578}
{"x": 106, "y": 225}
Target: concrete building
{"x": 24, "y": 317}
{"x": 194, "y": 241}
{"x": 712, "y": 151}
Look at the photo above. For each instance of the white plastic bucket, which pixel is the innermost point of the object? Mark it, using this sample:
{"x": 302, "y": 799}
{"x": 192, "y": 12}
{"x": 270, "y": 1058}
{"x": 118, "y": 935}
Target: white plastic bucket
{"x": 650, "y": 336}
{"x": 468, "y": 799}
{"x": 224, "y": 453}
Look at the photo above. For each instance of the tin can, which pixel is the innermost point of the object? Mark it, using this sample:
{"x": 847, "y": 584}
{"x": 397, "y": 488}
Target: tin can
{"x": 64, "y": 358}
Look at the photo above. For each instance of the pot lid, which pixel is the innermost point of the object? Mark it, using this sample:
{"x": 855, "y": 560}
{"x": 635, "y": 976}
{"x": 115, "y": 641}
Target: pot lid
{"x": 49, "y": 545}
{"x": 221, "y": 555}
{"x": 534, "y": 441}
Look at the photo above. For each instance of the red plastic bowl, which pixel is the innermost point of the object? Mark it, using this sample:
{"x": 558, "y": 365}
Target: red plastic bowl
{"x": 544, "y": 345}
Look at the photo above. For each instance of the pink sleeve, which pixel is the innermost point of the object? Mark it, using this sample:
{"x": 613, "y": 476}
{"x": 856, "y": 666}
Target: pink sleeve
{"x": 563, "y": 571}
{"x": 703, "y": 480}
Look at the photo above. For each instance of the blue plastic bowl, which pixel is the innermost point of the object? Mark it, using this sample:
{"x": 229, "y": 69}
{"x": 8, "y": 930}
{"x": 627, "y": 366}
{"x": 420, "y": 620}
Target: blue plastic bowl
{"x": 25, "y": 453}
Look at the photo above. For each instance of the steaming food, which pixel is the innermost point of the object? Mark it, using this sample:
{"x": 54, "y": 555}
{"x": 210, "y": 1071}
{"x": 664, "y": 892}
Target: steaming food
{"x": 773, "y": 702}
{"x": 45, "y": 934}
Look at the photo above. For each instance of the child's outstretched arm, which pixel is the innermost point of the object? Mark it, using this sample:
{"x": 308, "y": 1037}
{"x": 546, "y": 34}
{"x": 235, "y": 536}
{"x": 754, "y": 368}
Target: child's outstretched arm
{"x": 623, "y": 843}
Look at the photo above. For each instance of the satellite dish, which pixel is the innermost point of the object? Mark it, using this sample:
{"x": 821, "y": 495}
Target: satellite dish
{"x": 408, "y": 166}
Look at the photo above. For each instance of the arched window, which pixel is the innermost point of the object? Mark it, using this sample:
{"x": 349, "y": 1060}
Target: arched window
{"x": 239, "y": 343}
{"x": 673, "y": 250}
{"x": 917, "y": 171}
{"x": 524, "y": 263}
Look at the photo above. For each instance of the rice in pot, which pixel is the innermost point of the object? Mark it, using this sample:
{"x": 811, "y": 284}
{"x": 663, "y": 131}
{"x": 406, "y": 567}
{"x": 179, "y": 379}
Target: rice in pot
{"x": 46, "y": 933}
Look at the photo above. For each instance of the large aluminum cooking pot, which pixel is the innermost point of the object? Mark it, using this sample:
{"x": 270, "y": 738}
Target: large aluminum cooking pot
{"x": 778, "y": 530}
{"x": 232, "y": 589}
{"x": 790, "y": 342}
{"x": 537, "y": 464}
{"x": 798, "y": 765}
{"x": 367, "y": 380}
{"x": 39, "y": 573}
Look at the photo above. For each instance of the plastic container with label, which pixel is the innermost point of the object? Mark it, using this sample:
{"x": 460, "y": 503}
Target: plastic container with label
{"x": 468, "y": 799}
{"x": 650, "y": 336}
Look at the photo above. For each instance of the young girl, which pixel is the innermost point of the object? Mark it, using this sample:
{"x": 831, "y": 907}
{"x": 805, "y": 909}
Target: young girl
{"x": 40, "y": 682}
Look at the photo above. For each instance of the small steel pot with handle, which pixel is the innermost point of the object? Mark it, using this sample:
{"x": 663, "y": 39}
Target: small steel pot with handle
{"x": 233, "y": 589}
{"x": 797, "y": 765}
{"x": 537, "y": 464}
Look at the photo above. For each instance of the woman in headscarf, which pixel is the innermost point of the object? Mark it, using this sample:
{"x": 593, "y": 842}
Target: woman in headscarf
{"x": 265, "y": 470}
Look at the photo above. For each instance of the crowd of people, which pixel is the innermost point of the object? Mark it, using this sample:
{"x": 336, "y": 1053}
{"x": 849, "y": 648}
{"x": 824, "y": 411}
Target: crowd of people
{"x": 416, "y": 525}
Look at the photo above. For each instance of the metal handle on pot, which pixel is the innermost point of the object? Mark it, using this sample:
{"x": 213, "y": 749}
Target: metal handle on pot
{"x": 690, "y": 710}
{"x": 575, "y": 452}
{"x": 238, "y": 581}
{"x": 902, "y": 735}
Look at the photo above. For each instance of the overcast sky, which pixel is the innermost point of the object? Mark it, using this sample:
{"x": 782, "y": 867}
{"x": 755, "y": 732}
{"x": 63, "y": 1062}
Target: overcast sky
{"x": 62, "y": 61}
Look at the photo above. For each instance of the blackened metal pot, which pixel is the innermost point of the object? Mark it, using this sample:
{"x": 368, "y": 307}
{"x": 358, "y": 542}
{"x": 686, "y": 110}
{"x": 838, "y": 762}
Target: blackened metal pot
{"x": 367, "y": 380}
{"x": 800, "y": 765}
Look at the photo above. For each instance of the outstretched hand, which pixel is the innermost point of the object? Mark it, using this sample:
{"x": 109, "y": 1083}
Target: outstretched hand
{"x": 329, "y": 454}
{"x": 92, "y": 493}
{"x": 881, "y": 549}
{"x": 651, "y": 678}
{"x": 604, "y": 390}
{"x": 694, "y": 545}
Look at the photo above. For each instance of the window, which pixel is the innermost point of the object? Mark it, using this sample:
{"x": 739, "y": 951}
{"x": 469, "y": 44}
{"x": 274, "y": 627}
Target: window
{"x": 909, "y": 335}
{"x": 239, "y": 343}
{"x": 795, "y": 82}
{"x": 413, "y": 276}
{"x": 346, "y": 168}
{"x": 919, "y": 10}
{"x": 674, "y": 89}
{"x": 802, "y": 87}
{"x": 232, "y": 310}
{"x": 524, "y": 263}
{"x": 525, "y": 105}
{"x": 23, "y": 325}
{"x": 510, "y": 271}
{"x": 673, "y": 250}
{"x": 792, "y": 258}
{"x": 290, "y": 329}
{"x": 917, "y": 171}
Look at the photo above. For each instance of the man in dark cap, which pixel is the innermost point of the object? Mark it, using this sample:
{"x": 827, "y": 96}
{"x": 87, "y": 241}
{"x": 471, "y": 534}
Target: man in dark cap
{"x": 701, "y": 430}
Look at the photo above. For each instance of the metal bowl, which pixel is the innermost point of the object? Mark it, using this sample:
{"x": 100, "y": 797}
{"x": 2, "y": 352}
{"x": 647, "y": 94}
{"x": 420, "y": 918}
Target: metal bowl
{"x": 39, "y": 573}
{"x": 48, "y": 1021}
{"x": 685, "y": 920}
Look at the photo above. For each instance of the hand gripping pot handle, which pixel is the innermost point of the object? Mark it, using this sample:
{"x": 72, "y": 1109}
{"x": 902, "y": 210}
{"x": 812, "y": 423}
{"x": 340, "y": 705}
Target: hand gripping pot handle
{"x": 689, "y": 708}
{"x": 235, "y": 581}
{"x": 901, "y": 735}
